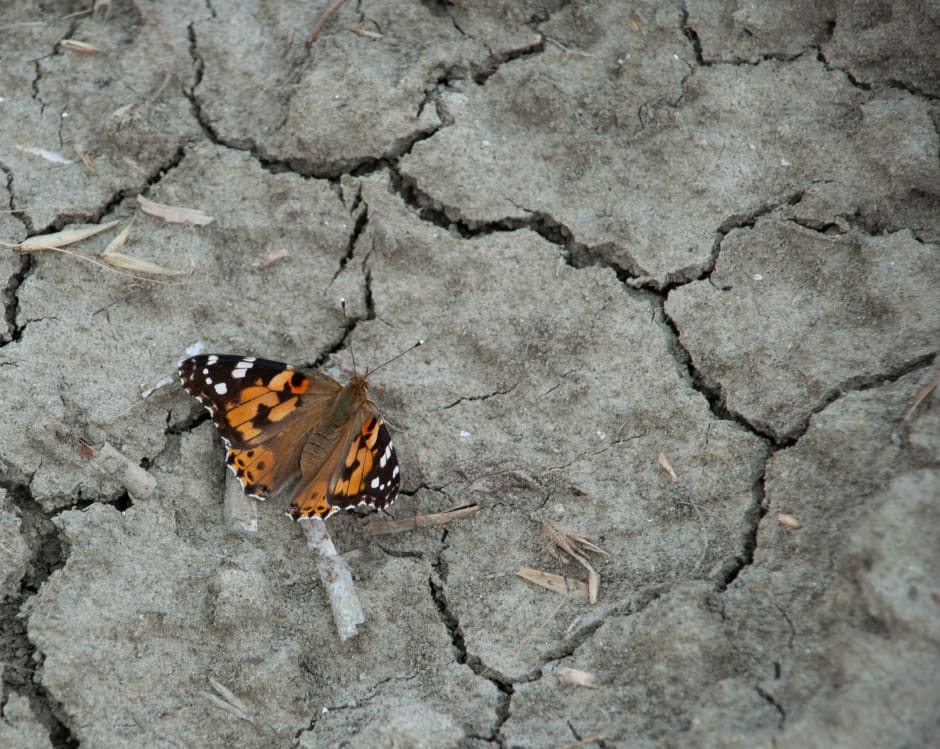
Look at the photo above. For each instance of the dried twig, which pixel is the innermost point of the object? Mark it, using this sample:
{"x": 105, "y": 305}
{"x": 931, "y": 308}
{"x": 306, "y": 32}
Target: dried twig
{"x": 336, "y": 578}
{"x": 597, "y": 739}
{"x": 386, "y": 527}
{"x": 318, "y": 27}
{"x": 566, "y": 49}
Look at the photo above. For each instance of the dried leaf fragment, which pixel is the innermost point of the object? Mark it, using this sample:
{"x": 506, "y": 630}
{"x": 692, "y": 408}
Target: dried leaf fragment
{"x": 173, "y": 214}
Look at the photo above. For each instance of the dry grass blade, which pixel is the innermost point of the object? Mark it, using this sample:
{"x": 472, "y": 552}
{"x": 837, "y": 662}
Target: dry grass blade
{"x": 919, "y": 398}
{"x": 667, "y": 467}
{"x": 117, "y": 259}
{"x": 555, "y": 583}
{"x": 387, "y": 527}
{"x": 60, "y": 239}
{"x": 173, "y": 214}
{"x": 360, "y": 31}
{"x": 132, "y": 264}
{"x": 83, "y": 48}
{"x": 118, "y": 242}
{"x": 577, "y": 546}
{"x": 228, "y": 702}
{"x": 86, "y": 159}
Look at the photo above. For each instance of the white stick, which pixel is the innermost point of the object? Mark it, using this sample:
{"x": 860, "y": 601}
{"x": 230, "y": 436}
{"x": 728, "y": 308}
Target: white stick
{"x": 336, "y": 578}
{"x": 241, "y": 512}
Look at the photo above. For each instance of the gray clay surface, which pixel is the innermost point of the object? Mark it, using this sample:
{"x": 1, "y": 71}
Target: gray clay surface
{"x": 677, "y": 268}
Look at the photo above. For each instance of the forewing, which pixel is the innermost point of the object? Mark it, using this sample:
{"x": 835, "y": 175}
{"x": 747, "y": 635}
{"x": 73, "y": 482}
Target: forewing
{"x": 262, "y": 409}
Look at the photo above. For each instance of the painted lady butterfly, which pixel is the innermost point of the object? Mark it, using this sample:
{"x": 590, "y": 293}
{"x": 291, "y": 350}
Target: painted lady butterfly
{"x": 286, "y": 427}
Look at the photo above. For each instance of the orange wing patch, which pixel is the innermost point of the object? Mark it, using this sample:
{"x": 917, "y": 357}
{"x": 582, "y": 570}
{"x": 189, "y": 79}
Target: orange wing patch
{"x": 310, "y": 501}
{"x": 254, "y": 467}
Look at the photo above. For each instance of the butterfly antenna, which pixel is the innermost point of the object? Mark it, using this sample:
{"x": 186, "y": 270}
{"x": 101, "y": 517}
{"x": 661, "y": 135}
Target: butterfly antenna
{"x": 347, "y": 322}
{"x": 396, "y": 357}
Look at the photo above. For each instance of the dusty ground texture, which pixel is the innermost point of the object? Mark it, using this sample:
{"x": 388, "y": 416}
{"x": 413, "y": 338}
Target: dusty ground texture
{"x": 633, "y": 235}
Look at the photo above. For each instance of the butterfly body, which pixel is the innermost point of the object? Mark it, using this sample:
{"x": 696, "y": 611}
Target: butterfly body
{"x": 290, "y": 429}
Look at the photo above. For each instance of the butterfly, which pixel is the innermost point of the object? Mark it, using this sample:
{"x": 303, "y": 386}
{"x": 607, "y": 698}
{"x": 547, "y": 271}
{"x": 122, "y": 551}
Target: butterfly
{"x": 285, "y": 427}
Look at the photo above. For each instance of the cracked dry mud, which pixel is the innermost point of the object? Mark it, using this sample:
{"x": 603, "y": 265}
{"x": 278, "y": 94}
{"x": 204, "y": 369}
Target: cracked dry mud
{"x": 702, "y": 231}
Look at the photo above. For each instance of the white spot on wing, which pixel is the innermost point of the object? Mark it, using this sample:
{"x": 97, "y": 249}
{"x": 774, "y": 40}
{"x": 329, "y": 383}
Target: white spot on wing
{"x": 238, "y": 374}
{"x": 220, "y": 388}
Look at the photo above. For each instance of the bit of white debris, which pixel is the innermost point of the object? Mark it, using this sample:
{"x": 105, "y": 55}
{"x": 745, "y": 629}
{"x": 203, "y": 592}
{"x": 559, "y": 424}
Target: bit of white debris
{"x": 55, "y": 158}
{"x": 196, "y": 348}
{"x": 758, "y": 277}
{"x": 146, "y": 391}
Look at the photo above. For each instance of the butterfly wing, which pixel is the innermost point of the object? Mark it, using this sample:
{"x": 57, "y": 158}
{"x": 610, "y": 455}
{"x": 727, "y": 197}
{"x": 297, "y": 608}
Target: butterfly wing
{"x": 252, "y": 402}
{"x": 361, "y": 470}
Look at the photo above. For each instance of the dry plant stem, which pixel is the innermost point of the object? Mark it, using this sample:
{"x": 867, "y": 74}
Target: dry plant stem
{"x": 241, "y": 512}
{"x": 336, "y": 578}
{"x": 387, "y": 527}
{"x": 333, "y": 7}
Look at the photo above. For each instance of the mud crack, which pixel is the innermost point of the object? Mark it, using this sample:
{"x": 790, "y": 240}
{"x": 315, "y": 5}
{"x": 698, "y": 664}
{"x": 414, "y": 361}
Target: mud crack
{"x": 22, "y": 663}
